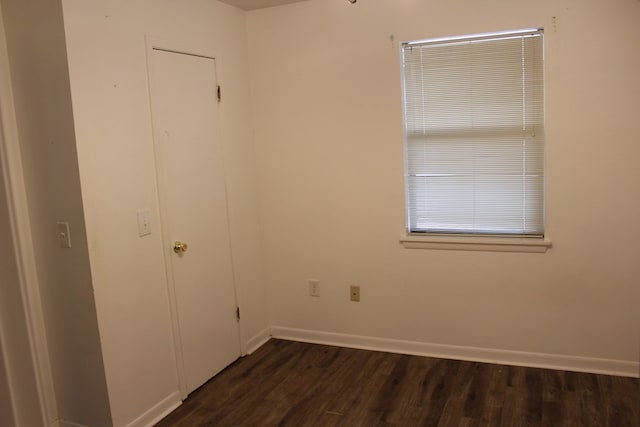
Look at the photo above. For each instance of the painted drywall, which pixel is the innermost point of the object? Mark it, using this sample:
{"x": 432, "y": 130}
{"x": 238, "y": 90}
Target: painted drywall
{"x": 107, "y": 64}
{"x": 327, "y": 109}
{"x": 36, "y": 48}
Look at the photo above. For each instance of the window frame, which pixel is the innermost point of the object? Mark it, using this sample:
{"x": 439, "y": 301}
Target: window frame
{"x": 466, "y": 240}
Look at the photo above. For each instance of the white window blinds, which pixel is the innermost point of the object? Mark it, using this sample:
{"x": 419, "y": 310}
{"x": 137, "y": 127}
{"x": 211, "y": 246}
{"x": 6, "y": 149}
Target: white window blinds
{"x": 474, "y": 134}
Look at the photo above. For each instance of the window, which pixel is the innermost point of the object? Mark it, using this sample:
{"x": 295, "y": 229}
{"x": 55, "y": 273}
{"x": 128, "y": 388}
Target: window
{"x": 474, "y": 135}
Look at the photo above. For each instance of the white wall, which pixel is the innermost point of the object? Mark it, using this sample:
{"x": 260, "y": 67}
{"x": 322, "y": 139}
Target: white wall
{"x": 328, "y": 123}
{"x": 106, "y": 51}
{"x": 36, "y": 47}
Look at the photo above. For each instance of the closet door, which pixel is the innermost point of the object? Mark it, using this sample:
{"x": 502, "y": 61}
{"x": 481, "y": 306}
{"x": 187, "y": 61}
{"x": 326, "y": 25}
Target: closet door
{"x": 193, "y": 201}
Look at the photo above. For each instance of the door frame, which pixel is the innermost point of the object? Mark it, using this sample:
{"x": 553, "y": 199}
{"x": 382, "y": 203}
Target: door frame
{"x": 182, "y": 48}
{"x": 22, "y": 246}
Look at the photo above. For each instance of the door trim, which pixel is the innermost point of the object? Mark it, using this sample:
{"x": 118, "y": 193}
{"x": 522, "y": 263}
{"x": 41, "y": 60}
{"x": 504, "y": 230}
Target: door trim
{"x": 21, "y": 240}
{"x": 181, "y": 48}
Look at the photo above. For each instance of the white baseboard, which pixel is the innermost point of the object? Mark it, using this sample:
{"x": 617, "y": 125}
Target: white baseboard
{"x": 148, "y": 419}
{"x": 158, "y": 411}
{"x": 505, "y": 357}
{"x": 258, "y": 340}
{"x": 63, "y": 423}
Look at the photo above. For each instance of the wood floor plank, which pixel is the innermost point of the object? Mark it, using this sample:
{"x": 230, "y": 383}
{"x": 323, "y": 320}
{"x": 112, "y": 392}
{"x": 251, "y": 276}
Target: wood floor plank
{"x": 286, "y": 383}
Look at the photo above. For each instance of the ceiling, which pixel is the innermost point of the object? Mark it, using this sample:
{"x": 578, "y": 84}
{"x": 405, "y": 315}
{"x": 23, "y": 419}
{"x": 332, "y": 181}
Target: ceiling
{"x": 257, "y": 4}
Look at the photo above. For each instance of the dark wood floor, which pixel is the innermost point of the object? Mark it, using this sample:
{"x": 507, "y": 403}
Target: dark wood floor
{"x": 295, "y": 384}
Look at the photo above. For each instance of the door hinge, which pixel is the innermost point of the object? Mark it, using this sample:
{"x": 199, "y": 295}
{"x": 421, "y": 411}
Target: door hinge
{"x": 238, "y": 314}
{"x": 219, "y": 94}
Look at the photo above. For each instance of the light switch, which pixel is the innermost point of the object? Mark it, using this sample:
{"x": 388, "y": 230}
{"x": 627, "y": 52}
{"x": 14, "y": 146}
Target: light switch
{"x": 64, "y": 237}
{"x": 144, "y": 223}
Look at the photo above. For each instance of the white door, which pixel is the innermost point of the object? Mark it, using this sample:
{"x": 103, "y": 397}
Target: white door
{"x": 194, "y": 212}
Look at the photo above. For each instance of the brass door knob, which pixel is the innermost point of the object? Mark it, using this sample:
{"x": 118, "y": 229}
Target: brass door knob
{"x": 179, "y": 247}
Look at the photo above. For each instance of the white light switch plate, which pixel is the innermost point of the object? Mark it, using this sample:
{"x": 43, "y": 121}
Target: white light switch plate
{"x": 64, "y": 236}
{"x": 144, "y": 223}
{"x": 314, "y": 287}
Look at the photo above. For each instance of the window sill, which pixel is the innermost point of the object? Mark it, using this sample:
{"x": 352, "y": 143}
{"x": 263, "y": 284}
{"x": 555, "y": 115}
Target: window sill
{"x": 476, "y": 243}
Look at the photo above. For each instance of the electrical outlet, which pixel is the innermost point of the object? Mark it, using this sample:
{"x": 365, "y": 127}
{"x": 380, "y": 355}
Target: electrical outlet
{"x": 314, "y": 288}
{"x": 354, "y": 292}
